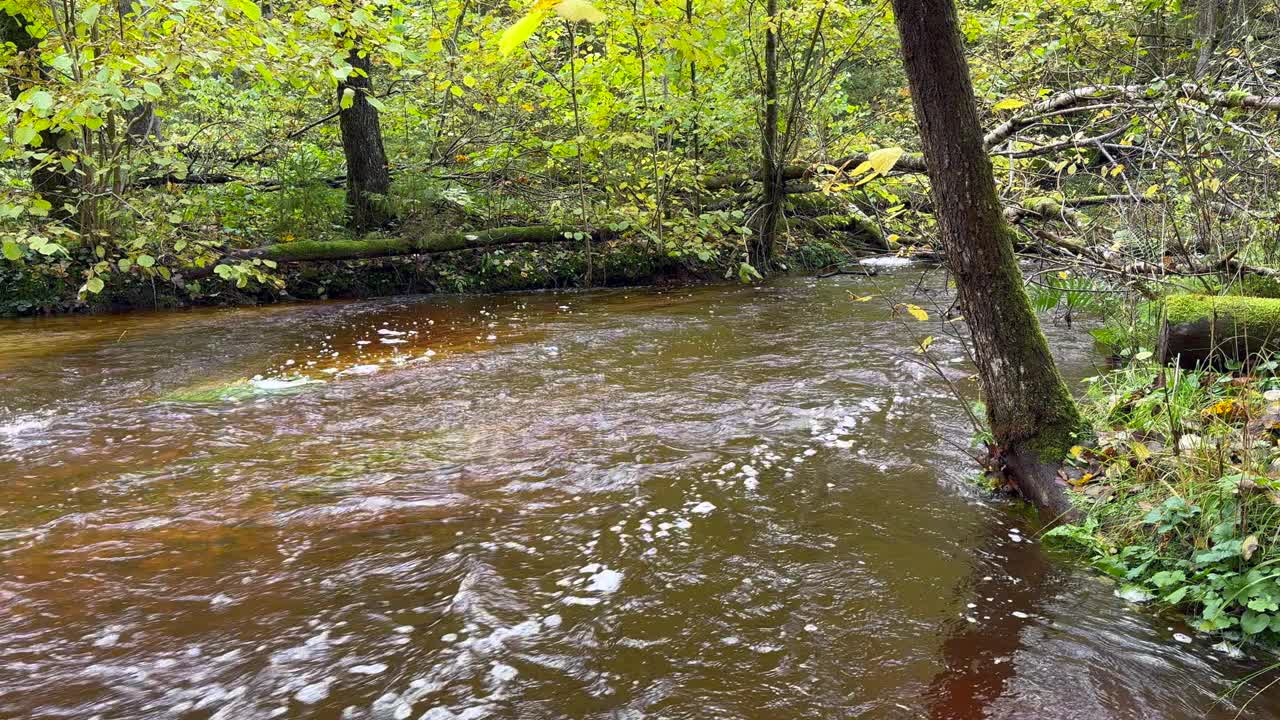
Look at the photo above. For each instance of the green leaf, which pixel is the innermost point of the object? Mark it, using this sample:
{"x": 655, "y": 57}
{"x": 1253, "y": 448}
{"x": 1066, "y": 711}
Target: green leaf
{"x": 516, "y": 35}
{"x": 250, "y": 9}
{"x": 146, "y": 261}
{"x": 151, "y": 89}
{"x": 1254, "y": 622}
{"x": 94, "y": 285}
{"x": 124, "y": 264}
{"x": 41, "y": 101}
{"x": 348, "y": 98}
{"x": 23, "y": 135}
{"x": 12, "y": 250}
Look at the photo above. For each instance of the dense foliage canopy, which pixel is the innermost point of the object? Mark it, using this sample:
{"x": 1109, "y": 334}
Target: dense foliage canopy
{"x": 159, "y": 143}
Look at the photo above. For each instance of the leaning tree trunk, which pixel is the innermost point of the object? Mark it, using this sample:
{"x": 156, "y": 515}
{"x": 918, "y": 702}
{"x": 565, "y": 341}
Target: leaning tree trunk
{"x": 1033, "y": 417}
{"x": 773, "y": 191}
{"x": 368, "y": 179}
{"x": 49, "y": 180}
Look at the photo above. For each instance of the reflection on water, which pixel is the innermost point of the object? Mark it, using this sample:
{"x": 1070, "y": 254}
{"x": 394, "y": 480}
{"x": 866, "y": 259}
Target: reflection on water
{"x": 723, "y": 502}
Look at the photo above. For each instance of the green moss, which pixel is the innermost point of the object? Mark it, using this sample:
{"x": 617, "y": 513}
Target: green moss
{"x": 1247, "y": 311}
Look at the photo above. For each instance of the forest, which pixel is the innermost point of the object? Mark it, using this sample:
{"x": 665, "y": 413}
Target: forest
{"x": 624, "y": 359}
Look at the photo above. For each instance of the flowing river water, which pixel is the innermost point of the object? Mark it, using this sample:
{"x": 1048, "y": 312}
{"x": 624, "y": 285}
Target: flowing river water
{"x": 717, "y": 502}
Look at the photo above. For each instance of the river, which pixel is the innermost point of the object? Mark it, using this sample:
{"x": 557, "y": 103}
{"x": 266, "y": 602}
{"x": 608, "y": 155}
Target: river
{"x": 715, "y": 502}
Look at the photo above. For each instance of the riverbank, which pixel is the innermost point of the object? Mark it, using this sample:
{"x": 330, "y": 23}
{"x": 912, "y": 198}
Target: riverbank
{"x": 1181, "y": 494}
{"x": 46, "y": 288}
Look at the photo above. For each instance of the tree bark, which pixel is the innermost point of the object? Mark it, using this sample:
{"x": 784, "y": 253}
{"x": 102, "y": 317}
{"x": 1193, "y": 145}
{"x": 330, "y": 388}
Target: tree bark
{"x": 1207, "y": 22}
{"x": 1033, "y": 418}
{"x": 772, "y": 195}
{"x": 368, "y": 179}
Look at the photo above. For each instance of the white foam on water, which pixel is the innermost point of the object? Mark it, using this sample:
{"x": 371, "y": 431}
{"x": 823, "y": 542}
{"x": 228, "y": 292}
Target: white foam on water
{"x": 313, "y": 693}
{"x": 886, "y": 261}
{"x": 606, "y": 581}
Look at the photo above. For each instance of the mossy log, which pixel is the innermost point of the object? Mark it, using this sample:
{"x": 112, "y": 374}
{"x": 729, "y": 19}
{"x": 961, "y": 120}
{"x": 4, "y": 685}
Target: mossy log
{"x": 381, "y": 247}
{"x": 1214, "y": 330}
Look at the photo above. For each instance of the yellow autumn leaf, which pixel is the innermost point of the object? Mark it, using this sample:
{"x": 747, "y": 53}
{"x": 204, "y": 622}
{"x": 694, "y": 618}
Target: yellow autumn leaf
{"x": 1077, "y": 451}
{"x": 883, "y": 160}
{"x": 516, "y": 35}
{"x": 1009, "y": 104}
{"x": 575, "y": 10}
{"x": 924, "y": 345}
{"x": 862, "y": 167}
{"x": 916, "y": 311}
{"x": 860, "y": 298}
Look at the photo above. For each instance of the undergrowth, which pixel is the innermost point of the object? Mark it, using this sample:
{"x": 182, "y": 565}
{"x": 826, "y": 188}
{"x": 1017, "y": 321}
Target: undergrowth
{"x": 1182, "y": 493}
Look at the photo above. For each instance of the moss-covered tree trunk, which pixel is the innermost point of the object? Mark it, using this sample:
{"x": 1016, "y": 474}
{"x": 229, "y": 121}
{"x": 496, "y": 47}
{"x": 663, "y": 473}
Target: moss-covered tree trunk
{"x": 1218, "y": 330}
{"x": 1033, "y": 417}
{"x": 368, "y": 179}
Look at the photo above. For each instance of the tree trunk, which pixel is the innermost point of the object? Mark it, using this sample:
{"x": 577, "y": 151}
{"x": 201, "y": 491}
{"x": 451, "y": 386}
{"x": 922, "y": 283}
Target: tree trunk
{"x": 1207, "y": 22}
{"x": 772, "y": 195}
{"x": 49, "y": 180}
{"x": 367, "y": 174}
{"x": 1033, "y": 417}
{"x": 1218, "y": 331}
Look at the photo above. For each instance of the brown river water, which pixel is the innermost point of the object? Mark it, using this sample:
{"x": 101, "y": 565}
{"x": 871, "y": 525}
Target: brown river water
{"x": 717, "y": 502}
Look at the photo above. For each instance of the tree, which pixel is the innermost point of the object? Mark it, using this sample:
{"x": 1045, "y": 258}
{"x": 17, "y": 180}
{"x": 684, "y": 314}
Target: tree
{"x": 368, "y": 178}
{"x": 771, "y": 161}
{"x": 1033, "y": 417}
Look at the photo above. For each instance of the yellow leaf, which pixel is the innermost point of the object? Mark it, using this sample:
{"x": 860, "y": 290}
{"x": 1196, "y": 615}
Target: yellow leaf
{"x": 1151, "y": 191}
{"x": 893, "y": 239}
{"x": 916, "y": 311}
{"x": 1009, "y": 104}
{"x": 863, "y": 167}
{"x": 860, "y": 298}
{"x": 1077, "y": 451}
{"x": 923, "y": 347}
{"x": 883, "y": 160}
{"x": 575, "y": 10}
{"x": 516, "y": 35}
{"x": 1063, "y": 275}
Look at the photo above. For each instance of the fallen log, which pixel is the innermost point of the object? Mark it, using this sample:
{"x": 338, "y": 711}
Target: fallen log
{"x": 327, "y": 250}
{"x": 1214, "y": 330}
{"x": 385, "y": 247}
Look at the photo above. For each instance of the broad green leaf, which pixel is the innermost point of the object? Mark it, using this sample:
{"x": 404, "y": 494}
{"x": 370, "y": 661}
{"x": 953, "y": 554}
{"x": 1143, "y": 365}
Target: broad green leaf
{"x": 12, "y": 250}
{"x": 348, "y": 98}
{"x": 94, "y": 285}
{"x": 146, "y": 261}
{"x": 41, "y": 101}
{"x": 516, "y": 35}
